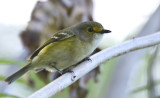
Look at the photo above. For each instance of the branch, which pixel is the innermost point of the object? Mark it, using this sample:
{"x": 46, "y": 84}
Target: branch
{"x": 105, "y": 55}
{"x": 150, "y": 76}
{"x": 145, "y": 87}
{"x": 130, "y": 62}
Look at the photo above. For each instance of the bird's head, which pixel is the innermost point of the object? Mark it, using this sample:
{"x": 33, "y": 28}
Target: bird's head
{"x": 90, "y": 29}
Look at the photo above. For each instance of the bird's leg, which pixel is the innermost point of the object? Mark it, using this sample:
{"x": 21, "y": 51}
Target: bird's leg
{"x": 61, "y": 72}
{"x": 65, "y": 71}
{"x": 68, "y": 69}
{"x": 87, "y": 59}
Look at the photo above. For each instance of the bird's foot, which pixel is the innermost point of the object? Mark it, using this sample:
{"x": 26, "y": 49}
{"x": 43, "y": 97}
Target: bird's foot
{"x": 70, "y": 71}
{"x": 87, "y": 59}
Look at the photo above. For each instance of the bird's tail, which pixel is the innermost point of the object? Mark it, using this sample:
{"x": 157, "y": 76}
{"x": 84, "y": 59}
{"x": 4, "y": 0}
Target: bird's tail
{"x": 18, "y": 74}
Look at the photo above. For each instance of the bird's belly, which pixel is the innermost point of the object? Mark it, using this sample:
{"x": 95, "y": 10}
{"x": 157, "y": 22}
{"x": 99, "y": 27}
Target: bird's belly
{"x": 63, "y": 55}
{"x": 71, "y": 56}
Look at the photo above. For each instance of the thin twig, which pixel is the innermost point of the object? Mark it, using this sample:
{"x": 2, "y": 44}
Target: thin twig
{"x": 142, "y": 88}
{"x": 105, "y": 55}
{"x": 150, "y": 78}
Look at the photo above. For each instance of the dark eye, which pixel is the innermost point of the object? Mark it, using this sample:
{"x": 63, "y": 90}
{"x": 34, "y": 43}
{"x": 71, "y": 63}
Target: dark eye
{"x": 90, "y": 29}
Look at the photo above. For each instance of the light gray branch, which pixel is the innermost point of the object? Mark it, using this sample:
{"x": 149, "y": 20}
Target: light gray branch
{"x": 83, "y": 68}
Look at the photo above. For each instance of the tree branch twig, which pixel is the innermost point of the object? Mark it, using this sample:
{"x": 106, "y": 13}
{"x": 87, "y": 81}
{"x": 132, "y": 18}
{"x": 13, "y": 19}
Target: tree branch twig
{"x": 105, "y": 55}
{"x": 150, "y": 77}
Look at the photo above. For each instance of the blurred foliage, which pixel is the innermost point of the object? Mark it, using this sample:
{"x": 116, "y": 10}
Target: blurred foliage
{"x": 7, "y": 96}
{"x": 98, "y": 90}
{"x": 12, "y": 62}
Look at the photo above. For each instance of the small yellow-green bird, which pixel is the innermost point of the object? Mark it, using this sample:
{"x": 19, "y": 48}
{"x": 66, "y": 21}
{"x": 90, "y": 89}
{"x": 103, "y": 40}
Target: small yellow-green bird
{"x": 64, "y": 49}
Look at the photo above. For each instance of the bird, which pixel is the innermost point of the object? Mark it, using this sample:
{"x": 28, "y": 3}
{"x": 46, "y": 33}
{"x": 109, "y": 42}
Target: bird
{"x": 65, "y": 48}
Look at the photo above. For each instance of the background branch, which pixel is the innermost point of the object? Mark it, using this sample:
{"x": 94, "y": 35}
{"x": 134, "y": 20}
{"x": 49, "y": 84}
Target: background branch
{"x": 150, "y": 76}
{"x": 85, "y": 67}
{"x": 130, "y": 63}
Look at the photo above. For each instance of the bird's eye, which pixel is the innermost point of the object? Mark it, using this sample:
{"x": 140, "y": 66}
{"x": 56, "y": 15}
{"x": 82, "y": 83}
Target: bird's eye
{"x": 90, "y": 29}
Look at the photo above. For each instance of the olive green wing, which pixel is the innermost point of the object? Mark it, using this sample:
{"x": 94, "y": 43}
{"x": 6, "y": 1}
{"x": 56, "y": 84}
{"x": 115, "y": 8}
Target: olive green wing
{"x": 55, "y": 38}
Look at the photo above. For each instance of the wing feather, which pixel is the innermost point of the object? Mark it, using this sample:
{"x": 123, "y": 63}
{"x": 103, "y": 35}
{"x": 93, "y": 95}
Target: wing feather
{"x": 55, "y": 38}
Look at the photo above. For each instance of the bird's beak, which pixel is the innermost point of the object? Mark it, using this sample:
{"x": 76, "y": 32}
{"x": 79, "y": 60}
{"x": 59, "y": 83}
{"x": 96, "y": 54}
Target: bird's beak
{"x": 104, "y": 31}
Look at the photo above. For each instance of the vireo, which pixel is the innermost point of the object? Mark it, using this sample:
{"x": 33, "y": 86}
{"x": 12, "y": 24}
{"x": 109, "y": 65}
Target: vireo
{"x": 64, "y": 49}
